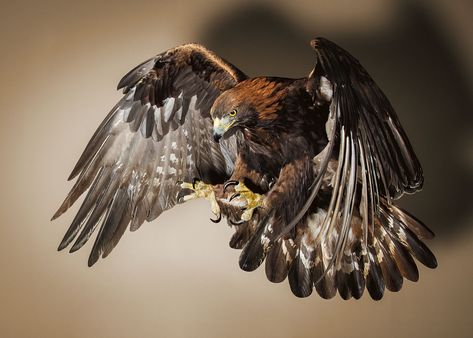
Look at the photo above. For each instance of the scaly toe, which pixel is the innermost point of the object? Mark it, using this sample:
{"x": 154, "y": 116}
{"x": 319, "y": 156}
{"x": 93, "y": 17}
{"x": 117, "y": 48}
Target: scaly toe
{"x": 229, "y": 183}
{"x": 200, "y": 190}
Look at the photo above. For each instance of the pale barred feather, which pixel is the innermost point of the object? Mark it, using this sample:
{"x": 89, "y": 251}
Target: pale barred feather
{"x": 140, "y": 164}
{"x": 157, "y": 135}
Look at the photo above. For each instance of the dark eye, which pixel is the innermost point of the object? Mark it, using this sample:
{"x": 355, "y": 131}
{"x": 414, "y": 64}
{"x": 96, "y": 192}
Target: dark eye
{"x": 233, "y": 112}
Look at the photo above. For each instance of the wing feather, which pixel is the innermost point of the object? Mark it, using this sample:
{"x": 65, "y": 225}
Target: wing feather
{"x": 349, "y": 236}
{"x": 158, "y": 134}
{"x": 376, "y": 164}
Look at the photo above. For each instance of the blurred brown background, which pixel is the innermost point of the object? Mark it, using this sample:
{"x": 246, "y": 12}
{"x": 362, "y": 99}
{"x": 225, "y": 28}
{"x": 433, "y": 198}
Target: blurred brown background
{"x": 177, "y": 277}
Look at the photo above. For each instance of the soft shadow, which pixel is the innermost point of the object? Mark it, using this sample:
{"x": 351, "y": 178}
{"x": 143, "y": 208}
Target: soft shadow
{"x": 415, "y": 66}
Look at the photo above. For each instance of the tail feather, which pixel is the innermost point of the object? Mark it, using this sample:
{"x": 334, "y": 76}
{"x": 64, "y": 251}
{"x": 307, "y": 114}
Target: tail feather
{"x": 374, "y": 279}
{"x": 326, "y": 286}
{"x": 301, "y": 271}
{"x": 391, "y": 274}
{"x": 279, "y": 260}
{"x": 398, "y": 253}
{"x": 378, "y": 263}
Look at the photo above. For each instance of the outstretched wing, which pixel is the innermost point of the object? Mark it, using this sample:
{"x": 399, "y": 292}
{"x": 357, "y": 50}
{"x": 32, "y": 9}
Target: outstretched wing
{"x": 158, "y": 134}
{"x": 348, "y": 235}
{"x": 358, "y": 237}
{"x": 365, "y": 117}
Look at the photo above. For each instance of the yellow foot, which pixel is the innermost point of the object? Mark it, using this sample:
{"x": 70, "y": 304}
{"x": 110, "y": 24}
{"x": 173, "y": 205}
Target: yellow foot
{"x": 202, "y": 190}
{"x": 250, "y": 200}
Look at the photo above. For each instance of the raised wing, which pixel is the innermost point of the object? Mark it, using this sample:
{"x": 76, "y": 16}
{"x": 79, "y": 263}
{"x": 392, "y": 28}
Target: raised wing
{"x": 158, "y": 134}
{"x": 359, "y": 237}
{"x": 365, "y": 116}
{"x": 348, "y": 236}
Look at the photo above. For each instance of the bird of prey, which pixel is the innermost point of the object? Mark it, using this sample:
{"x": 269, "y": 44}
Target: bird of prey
{"x": 306, "y": 171}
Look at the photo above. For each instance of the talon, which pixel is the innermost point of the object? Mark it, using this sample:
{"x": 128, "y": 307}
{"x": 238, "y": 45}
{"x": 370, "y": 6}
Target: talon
{"x": 219, "y": 218}
{"x": 229, "y": 183}
{"x": 234, "y": 196}
{"x": 180, "y": 197}
{"x": 253, "y": 201}
{"x": 232, "y": 222}
{"x": 194, "y": 181}
{"x": 200, "y": 190}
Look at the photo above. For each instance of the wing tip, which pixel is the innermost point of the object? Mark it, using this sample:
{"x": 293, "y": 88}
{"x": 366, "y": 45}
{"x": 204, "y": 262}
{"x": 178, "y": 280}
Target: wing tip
{"x": 93, "y": 258}
{"x": 77, "y": 245}
{"x": 319, "y": 42}
{"x": 62, "y": 209}
{"x": 56, "y": 215}
{"x": 73, "y": 173}
{"x": 435, "y": 263}
{"x": 62, "y": 245}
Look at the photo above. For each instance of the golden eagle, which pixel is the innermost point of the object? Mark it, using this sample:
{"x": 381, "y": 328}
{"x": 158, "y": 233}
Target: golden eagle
{"x": 305, "y": 170}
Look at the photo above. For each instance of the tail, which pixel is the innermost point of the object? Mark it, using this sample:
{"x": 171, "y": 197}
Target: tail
{"x": 377, "y": 259}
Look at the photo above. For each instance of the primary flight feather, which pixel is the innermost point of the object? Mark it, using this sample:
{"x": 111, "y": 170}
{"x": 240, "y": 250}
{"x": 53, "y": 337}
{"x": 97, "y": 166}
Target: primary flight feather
{"x": 305, "y": 170}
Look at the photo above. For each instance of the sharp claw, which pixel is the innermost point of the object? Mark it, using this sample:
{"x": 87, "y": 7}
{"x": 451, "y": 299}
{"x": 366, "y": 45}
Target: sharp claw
{"x": 219, "y": 218}
{"x": 234, "y": 196}
{"x": 182, "y": 196}
{"x": 229, "y": 183}
{"x": 232, "y": 222}
{"x": 194, "y": 181}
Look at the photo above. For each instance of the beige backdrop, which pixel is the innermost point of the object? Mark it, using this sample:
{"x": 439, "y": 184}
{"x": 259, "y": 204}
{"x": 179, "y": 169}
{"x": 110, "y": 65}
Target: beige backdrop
{"x": 177, "y": 277}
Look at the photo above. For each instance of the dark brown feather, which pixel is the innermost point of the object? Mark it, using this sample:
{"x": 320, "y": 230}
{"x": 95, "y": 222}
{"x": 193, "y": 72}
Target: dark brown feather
{"x": 149, "y": 141}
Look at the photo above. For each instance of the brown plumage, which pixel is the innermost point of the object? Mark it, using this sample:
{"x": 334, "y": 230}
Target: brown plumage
{"x": 326, "y": 155}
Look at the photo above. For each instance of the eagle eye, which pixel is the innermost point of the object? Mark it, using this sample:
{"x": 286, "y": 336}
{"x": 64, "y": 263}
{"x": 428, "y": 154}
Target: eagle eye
{"x": 233, "y": 113}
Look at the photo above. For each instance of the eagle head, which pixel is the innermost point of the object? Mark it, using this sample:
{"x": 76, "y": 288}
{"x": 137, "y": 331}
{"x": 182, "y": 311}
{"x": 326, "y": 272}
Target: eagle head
{"x": 230, "y": 113}
{"x": 245, "y": 106}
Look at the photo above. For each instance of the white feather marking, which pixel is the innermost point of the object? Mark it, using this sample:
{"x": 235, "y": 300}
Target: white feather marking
{"x": 265, "y": 241}
{"x": 192, "y": 104}
{"x": 379, "y": 255}
{"x": 285, "y": 251}
{"x": 315, "y": 222}
{"x": 179, "y": 111}
{"x": 325, "y": 89}
{"x": 129, "y": 96}
{"x": 402, "y": 235}
{"x": 173, "y": 158}
{"x": 306, "y": 259}
{"x": 168, "y": 105}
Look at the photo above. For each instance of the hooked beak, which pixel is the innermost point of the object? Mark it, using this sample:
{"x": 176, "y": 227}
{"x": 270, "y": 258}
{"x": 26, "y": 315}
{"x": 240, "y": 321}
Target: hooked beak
{"x": 220, "y": 127}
